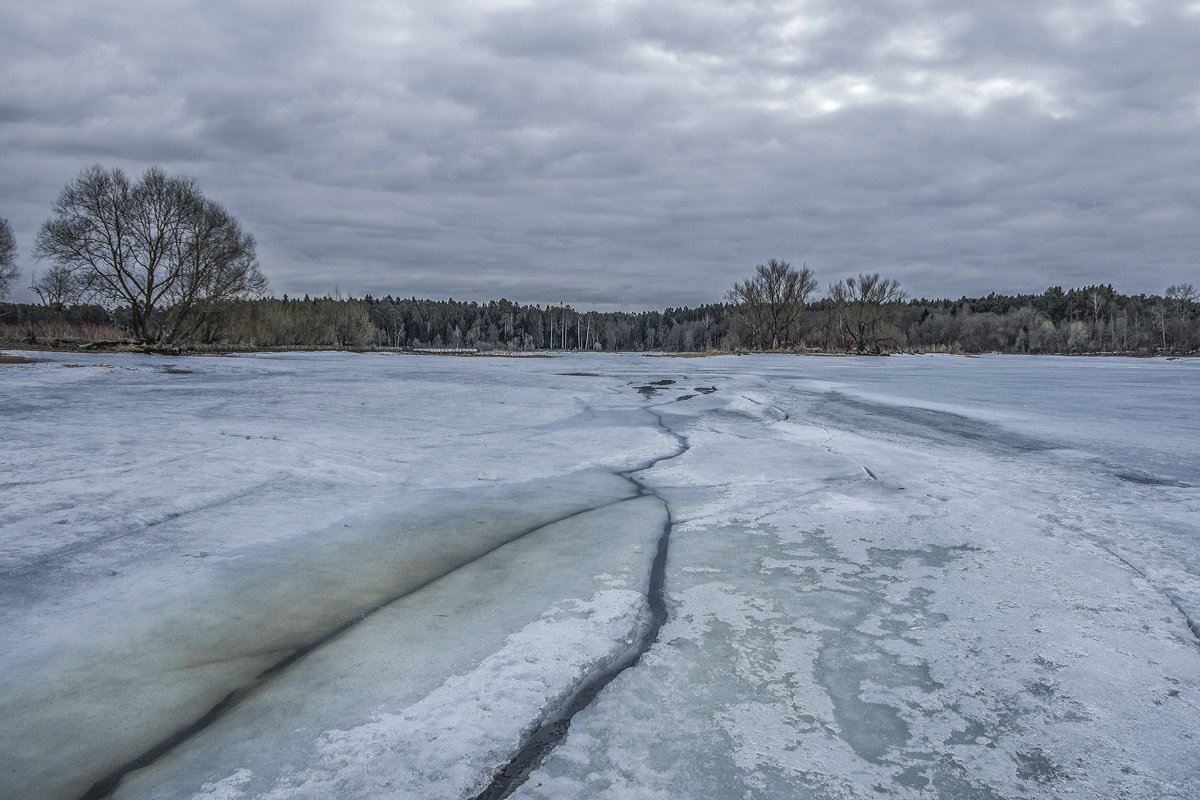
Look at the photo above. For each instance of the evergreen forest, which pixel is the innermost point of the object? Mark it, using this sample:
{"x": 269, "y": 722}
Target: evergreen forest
{"x": 1087, "y": 320}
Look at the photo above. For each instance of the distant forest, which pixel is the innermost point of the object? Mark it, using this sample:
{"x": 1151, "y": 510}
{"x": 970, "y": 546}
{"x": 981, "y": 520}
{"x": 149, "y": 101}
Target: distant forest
{"x": 1092, "y": 319}
{"x": 152, "y": 260}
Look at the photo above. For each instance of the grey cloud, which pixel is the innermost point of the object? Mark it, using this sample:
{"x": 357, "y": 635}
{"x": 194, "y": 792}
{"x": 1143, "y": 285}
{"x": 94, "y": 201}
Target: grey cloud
{"x": 640, "y": 153}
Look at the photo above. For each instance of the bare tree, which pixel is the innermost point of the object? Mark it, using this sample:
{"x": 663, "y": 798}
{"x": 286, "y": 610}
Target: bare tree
{"x": 156, "y": 246}
{"x": 863, "y": 306}
{"x": 770, "y": 304}
{"x": 59, "y": 287}
{"x": 8, "y": 258}
{"x": 215, "y": 262}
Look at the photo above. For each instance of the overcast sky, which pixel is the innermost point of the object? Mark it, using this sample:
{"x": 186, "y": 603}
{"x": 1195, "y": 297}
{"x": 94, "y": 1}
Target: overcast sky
{"x": 633, "y": 154}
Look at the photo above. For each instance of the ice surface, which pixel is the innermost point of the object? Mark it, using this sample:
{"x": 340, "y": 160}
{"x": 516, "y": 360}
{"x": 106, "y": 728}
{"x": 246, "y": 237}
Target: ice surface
{"x": 908, "y": 576}
{"x": 434, "y": 691}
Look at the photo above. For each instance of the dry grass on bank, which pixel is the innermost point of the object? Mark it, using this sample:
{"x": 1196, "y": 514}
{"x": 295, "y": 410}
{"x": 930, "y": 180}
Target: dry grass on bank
{"x": 49, "y": 333}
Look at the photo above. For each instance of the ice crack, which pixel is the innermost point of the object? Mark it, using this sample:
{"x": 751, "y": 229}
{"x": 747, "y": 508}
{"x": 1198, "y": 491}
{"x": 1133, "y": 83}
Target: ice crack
{"x": 106, "y": 786}
{"x": 554, "y": 727}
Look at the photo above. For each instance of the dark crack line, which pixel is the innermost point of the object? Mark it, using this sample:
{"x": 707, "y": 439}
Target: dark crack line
{"x": 776, "y": 409}
{"x": 1191, "y": 625}
{"x": 104, "y": 788}
{"x": 1171, "y": 598}
{"x": 54, "y": 558}
{"x": 553, "y": 728}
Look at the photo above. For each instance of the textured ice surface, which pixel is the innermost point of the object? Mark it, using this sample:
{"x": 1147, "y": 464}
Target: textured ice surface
{"x": 911, "y": 576}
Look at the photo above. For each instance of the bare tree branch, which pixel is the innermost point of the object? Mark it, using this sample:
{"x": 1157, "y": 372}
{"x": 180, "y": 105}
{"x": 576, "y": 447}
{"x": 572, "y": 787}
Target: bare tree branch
{"x": 157, "y": 246}
{"x": 770, "y": 304}
{"x": 864, "y": 304}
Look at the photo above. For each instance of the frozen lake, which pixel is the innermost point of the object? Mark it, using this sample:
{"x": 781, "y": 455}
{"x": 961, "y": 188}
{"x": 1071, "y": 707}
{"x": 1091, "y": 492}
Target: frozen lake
{"x": 375, "y": 576}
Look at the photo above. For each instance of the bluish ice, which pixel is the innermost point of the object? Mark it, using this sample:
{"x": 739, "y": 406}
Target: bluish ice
{"x": 311, "y": 575}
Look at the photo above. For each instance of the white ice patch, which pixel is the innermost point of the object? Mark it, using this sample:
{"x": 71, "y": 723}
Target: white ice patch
{"x": 448, "y": 744}
{"x": 897, "y": 576}
{"x": 231, "y": 788}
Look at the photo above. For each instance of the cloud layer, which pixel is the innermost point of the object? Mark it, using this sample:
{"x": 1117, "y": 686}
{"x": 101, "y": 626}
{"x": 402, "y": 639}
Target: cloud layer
{"x": 634, "y": 154}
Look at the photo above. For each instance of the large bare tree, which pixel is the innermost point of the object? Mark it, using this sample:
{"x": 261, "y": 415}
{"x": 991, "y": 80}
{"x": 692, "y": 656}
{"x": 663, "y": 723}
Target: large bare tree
{"x": 8, "y": 258}
{"x": 216, "y": 263}
{"x": 769, "y": 305}
{"x": 863, "y": 305}
{"x": 157, "y": 245}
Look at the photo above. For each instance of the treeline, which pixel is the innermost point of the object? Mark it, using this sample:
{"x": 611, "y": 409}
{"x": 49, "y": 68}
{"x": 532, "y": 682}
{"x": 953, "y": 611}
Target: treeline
{"x": 403, "y": 323}
{"x": 168, "y": 266}
{"x": 1092, "y": 319}
{"x": 22, "y": 323}
{"x": 173, "y": 267}
{"x": 497, "y": 325}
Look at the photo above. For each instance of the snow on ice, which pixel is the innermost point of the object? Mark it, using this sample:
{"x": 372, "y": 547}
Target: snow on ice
{"x": 367, "y": 576}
